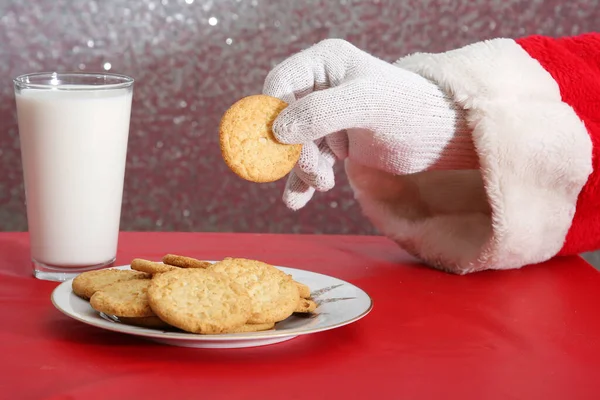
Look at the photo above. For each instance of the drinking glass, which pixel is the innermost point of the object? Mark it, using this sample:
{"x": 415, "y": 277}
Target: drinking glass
{"x": 73, "y": 130}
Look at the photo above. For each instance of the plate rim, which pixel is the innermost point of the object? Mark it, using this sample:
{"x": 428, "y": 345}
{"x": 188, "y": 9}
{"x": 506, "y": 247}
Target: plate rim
{"x": 187, "y": 336}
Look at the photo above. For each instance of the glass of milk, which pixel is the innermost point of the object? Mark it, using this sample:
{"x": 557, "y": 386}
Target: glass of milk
{"x": 73, "y": 129}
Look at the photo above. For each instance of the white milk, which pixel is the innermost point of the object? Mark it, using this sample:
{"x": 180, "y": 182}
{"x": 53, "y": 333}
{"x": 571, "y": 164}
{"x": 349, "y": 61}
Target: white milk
{"x": 73, "y": 147}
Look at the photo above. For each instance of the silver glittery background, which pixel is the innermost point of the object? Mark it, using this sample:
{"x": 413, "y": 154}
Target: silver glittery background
{"x": 193, "y": 58}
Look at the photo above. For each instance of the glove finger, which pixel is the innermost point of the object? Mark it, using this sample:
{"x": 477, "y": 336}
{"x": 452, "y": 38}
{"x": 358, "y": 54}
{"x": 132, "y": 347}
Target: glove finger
{"x": 321, "y": 66}
{"x": 296, "y": 193}
{"x": 325, "y": 112}
{"x": 315, "y": 167}
{"x": 338, "y": 144}
{"x": 326, "y": 152}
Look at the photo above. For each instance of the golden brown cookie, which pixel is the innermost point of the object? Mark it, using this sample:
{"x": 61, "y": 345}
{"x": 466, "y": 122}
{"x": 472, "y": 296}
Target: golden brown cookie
{"x": 87, "y": 283}
{"x": 199, "y": 301}
{"x": 305, "y": 306}
{"x": 124, "y": 299}
{"x": 145, "y": 322}
{"x": 248, "y": 145}
{"x": 252, "y": 328}
{"x": 303, "y": 290}
{"x": 184, "y": 262}
{"x": 274, "y": 294}
{"x": 150, "y": 267}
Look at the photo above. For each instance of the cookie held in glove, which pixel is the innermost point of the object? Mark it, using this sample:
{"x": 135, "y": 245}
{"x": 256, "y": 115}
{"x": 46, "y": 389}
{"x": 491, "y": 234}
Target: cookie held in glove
{"x": 248, "y": 145}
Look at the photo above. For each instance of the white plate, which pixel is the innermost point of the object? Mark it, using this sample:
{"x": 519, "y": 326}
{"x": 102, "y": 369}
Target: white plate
{"x": 339, "y": 303}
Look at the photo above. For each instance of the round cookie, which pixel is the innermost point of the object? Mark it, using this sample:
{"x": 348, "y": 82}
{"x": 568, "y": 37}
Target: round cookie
{"x": 150, "y": 267}
{"x": 124, "y": 299}
{"x": 246, "y": 328}
{"x": 87, "y": 283}
{"x": 199, "y": 301}
{"x": 305, "y": 306}
{"x": 145, "y": 322}
{"x": 274, "y": 294}
{"x": 184, "y": 262}
{"x": 248, "y": 145}
{"x": 303, "y": 290}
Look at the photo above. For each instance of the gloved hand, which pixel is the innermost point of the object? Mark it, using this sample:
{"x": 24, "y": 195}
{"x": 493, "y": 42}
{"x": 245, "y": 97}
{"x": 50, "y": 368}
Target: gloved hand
{"x": 345, "y": 103}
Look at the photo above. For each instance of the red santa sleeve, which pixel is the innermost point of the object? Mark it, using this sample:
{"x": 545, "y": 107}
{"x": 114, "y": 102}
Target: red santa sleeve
{"x": 534, "y": 108}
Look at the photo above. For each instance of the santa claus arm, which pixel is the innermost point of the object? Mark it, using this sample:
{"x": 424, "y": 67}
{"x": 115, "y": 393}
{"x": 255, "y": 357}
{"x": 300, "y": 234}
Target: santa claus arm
{"x": 534, "y": 108}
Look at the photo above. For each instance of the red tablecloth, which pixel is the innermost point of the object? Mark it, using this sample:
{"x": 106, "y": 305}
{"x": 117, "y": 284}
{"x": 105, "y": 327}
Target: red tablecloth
{"x": 527, "y": 334}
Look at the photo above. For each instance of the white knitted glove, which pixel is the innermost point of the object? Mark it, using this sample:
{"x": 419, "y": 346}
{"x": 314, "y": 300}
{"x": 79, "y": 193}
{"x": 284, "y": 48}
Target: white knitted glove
{"x": 344, "y": 103}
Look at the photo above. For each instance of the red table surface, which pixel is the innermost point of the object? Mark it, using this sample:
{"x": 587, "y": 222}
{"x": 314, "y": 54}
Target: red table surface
{"x": 532, "y": 333}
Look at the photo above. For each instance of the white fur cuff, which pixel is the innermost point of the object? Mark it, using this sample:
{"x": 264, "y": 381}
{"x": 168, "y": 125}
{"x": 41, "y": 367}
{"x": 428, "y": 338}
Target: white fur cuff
{"x": 535, "y": 156}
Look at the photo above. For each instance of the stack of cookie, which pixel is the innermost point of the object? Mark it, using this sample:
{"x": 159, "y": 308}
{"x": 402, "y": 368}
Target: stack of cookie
{"x": 230, "y": 296}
